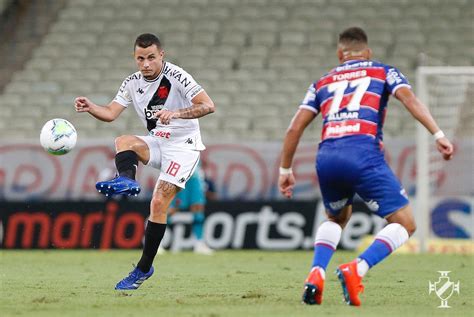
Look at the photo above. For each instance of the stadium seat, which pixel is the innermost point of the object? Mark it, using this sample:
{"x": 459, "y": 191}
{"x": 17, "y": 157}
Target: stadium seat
{"x": 252, "y": 56}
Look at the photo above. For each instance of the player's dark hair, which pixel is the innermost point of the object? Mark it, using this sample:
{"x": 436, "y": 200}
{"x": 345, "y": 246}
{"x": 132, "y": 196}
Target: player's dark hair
{"x": 353, "y": 35}
{"x": 147, "y": 39}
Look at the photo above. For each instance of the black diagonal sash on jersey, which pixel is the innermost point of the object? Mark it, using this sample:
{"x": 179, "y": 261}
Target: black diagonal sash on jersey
{"x": 157, "y": 102}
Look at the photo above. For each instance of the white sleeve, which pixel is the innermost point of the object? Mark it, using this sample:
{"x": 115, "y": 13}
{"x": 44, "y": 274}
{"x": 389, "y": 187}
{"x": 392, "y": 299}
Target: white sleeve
{"x": 123, "y": 96}
{"x": 189, "y": 87}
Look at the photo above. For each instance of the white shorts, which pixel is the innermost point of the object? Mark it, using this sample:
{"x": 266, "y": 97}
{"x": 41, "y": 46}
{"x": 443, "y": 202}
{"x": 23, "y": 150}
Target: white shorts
{"x": 176, "y": 164}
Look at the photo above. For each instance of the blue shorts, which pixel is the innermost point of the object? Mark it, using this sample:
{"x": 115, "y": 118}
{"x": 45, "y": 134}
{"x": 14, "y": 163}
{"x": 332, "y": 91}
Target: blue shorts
{"x": 347, "y": 170}
{"x": 193, "y": 194}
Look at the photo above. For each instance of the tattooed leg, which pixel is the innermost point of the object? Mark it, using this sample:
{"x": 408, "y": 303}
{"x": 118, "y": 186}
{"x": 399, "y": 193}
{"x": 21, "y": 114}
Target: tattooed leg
{"x": 162, "y": 196}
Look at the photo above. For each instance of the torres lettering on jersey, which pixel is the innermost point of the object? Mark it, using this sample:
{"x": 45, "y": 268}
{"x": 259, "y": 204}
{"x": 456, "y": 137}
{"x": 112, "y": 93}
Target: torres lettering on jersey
{"x": 350, "y": 75}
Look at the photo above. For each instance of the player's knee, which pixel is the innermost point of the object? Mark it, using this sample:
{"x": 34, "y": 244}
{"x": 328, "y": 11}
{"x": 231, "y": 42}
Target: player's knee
{"x": 122, "y": 142}
{"x": 410, "y": 228}
{"x": 341, "y": 219}
{"x": 125, "y": 142}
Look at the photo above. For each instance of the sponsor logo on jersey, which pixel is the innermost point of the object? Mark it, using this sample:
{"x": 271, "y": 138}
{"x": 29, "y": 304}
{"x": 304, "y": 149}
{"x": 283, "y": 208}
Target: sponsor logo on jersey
{"x": 157, "y": 103}
{"x": 177, "y": 74}
{"x": 129, "y": 78}
{"x": 196, "y": 91}
{"x": 140, "y": 91}
{"x": 342, "y": 129}
{"x": 336, "y": 205}
{"x": 393, "y": 77}
{"x": 162, "y": 134}
{"x": 372, "y": 205}
{"x": 150, "y": 113}
{"x": 403, "y": 193}
{"x": 355, "y": 65}
{"x": 343, "y": 116}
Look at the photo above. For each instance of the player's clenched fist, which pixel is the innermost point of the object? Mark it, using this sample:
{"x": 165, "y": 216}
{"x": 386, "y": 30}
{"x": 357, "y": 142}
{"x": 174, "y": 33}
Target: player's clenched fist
{"x": 82, "y": 104}
{"x": 445, "y": 147}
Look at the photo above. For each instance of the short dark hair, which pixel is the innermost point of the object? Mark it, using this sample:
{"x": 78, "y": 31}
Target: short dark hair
{"x": 353, "y": 35}
{"x": 147, "y": 39}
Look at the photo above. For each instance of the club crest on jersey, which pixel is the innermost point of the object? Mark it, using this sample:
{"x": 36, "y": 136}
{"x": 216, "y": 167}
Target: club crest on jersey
{"x": 163, "y": 92}
{"x": 157, "y": 102}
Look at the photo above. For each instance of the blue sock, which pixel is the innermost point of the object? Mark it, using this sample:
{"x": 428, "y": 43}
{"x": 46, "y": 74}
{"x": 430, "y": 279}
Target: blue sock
{"x": 198, "y": 225}
{"x": 376, "y": 252}
{"x": 322, "y": 255}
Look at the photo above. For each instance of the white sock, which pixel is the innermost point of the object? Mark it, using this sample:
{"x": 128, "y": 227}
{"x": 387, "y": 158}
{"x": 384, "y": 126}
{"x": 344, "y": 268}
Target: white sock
{"x": 328, "y": 233}
{"x": 394, "y": 234}
{"x": 321, "y": 270}
{"x": 362, "y": 267}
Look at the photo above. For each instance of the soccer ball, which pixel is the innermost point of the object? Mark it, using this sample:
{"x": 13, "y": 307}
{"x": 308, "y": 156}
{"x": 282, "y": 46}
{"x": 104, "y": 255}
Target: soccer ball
{"x": 58, "y": 136}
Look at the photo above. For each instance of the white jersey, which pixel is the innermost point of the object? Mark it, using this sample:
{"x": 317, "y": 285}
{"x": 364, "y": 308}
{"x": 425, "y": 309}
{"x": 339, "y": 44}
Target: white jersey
{"x": 173, "y": 90}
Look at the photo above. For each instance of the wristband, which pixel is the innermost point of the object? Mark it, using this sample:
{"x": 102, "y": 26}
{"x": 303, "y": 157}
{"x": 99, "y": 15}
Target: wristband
{"x": 285, "y": 171}
{"x": 438, "y": 135}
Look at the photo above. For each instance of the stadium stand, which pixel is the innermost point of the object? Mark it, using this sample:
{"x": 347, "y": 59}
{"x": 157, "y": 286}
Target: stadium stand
{"x": 256, "y": 58}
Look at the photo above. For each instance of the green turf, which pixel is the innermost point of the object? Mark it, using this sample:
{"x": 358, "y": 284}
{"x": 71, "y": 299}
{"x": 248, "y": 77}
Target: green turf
{"x": 231, "y": 283}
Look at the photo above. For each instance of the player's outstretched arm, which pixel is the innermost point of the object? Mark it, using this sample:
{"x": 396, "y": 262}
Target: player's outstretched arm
{"x": 298, "y": 124}
{"x": 202, "y": 105}
{"x": 104, "y": 113}
{"x": 421, "y": 113}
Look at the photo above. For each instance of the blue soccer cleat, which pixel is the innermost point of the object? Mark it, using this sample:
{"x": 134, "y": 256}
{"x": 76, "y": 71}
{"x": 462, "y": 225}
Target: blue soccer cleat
{"x": 134, "y": 279}
{"x": 120, "y": 185}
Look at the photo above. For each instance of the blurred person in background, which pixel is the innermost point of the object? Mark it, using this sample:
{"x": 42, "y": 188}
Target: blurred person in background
{"x": 168, "y": 101}
{"x": 193, "y": 199}
{"x": 352, "y": 99}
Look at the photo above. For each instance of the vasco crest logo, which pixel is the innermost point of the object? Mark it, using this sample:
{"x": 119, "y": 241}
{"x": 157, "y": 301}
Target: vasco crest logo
{"x": 444, "y": 288}
{"x": 162, "y": 92}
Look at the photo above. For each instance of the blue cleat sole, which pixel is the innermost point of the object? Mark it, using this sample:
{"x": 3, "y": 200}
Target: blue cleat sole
{"x": 344, "y": 288}
{"x": 109, "y": 190}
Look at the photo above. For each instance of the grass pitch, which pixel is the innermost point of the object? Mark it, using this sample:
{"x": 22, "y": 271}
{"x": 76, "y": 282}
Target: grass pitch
{"x": 230, "y": 283}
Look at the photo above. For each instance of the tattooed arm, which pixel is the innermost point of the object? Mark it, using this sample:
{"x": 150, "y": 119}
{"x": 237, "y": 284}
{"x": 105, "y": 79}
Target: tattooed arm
{"x": 202, "y": 105}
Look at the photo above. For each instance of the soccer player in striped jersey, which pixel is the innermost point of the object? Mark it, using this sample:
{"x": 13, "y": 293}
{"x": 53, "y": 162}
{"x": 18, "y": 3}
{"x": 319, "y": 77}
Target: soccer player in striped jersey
{"x": 352, "y": 100}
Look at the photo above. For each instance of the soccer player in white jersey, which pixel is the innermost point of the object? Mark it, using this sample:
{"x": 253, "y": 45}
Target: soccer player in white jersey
{"x": 352, "y": 99}
{"x": 168, "y": 101}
